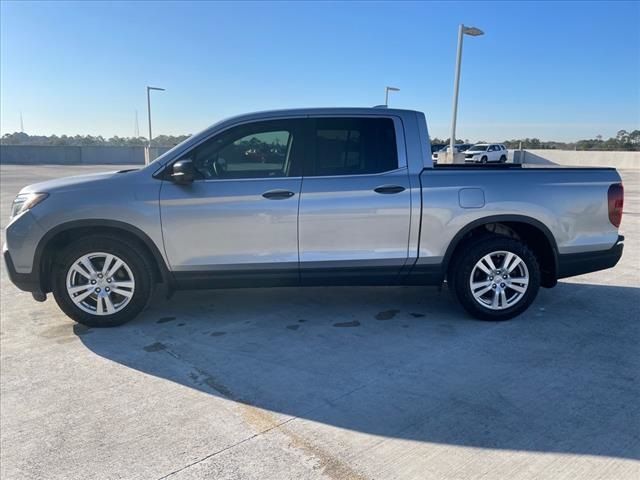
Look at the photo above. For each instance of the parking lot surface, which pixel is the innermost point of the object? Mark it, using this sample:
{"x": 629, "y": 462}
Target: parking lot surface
{"x": 337, "y": 383}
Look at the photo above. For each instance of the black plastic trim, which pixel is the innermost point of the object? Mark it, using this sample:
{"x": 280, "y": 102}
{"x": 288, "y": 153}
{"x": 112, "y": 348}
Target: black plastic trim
{"x": 508, "y": 166}
{"x": 476, "y": 165}
{"x": 573, "y": 264}
{"x": 345, "y": 276}
{"x": 425, "y": 275}
{"x": 27, "y": 282}
{"x": 212, "y": 279}
{"x": 143, "y": 237}
{"x": 351, "y": 276}
{"x": 499, "y": 219}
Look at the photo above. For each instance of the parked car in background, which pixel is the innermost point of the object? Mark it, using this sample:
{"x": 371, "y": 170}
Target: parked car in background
{"x": 350, "y": 197}
{"x": 436, "y": 147}
{"x": 461, "y": 147}
{"x": 485, "y": 153}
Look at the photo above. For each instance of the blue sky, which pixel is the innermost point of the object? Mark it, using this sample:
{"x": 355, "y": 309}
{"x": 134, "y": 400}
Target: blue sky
{"x": 544, "y": 69}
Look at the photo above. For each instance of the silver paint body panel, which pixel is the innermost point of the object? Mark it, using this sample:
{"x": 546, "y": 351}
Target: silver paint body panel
{"x": 228, "y": 224}
{"x": 343, "y": 222}
{"x": 571, "y": 203}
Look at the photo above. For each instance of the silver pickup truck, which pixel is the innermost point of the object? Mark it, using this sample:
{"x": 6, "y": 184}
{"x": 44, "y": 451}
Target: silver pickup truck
{"x": 311, "y": 197}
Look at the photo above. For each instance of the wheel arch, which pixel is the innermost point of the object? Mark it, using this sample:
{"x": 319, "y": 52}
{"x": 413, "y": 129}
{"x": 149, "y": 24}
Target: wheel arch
{"x": 530, "y": 231}
{"x": 64, "y": 233}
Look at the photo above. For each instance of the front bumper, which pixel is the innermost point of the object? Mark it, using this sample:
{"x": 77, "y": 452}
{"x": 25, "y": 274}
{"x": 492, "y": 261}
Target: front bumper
{"x": 28, "y": 282}
{"x": 573, "y": 264}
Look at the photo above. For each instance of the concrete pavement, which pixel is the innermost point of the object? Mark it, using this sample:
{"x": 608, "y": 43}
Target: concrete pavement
{"x": 338, "y": 383}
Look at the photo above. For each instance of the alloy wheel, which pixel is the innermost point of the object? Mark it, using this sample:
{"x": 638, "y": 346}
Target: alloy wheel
{"x": 100, "y": 283}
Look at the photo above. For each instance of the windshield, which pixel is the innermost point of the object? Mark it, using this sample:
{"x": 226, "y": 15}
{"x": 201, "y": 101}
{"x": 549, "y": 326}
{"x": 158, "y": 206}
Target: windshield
{"x": 479, "y": 148}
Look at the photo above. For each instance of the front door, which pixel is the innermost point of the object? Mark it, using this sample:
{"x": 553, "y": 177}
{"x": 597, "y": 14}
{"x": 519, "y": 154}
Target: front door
{"x": 355, "y": 203}
{"x": 237, "y": 222}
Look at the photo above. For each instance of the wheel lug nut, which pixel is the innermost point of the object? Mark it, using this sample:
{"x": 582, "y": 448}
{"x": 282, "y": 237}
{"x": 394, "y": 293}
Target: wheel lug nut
{"x": 109, "y": 280}
{"x": 107, "y": 289}
{"x": 493, "y": 286}
{"x": 97, "y": 290}
{"x": 490, "y": 278}
{"x": 502, "y": 285}
{"x": 504, "y": 276}
{"x": 93, "y": 282}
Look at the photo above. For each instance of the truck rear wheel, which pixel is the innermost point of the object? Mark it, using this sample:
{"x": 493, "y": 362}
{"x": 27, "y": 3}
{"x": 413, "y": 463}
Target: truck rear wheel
{"x": 102, "y": 281}
{"x": 495, "y": 278}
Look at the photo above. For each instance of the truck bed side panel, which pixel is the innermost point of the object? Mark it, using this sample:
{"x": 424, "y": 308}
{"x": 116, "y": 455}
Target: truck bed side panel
{"x": 571, "y": 203}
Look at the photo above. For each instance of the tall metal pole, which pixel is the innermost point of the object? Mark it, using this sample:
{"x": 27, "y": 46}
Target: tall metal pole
{"x": 386, "y": 94}
{"x": 456, "y": 86}
{"x": 148, "y": 157}
{"x": 149, "y": 113}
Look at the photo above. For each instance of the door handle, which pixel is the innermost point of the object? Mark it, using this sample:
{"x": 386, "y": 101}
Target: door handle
{"x": 278, "y": 194}
{"x": 389, "y": 189}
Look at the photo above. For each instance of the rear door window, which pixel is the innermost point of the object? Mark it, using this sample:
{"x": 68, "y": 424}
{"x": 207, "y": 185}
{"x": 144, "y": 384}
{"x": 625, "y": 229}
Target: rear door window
{"x": 353, "y": 146}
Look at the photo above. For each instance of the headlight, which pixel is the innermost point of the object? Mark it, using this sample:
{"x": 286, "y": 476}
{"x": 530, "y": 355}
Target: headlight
{"x": 26, "y": 201}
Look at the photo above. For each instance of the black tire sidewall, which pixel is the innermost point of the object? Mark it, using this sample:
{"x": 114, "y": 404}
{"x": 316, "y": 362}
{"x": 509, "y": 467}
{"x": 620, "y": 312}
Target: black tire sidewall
{"x": 465, "y": 264}
{"x": 484, "y": 160}
{"x": 129, "y": 252}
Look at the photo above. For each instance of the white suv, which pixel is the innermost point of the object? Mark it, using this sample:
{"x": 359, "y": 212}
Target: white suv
{"x": 486, "y": 152}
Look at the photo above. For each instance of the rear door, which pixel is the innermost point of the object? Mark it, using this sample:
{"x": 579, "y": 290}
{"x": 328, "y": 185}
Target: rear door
{"x": 355, "y": 201}
{"x": 238, "y": 222}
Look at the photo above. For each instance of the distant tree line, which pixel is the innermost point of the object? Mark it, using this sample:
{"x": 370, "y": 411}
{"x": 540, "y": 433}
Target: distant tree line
{"x": 19, "y": 138}
{"x": 623, "y": 140}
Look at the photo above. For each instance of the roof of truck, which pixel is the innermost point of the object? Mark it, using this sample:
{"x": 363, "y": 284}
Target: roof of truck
{"x": 291, "y": 113}
{"x": 380, "y": 110}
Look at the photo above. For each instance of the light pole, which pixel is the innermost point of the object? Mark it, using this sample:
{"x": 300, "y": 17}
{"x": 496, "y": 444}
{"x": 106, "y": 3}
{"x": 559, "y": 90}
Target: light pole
{"x": 149, "y": 113}
{"x": 462, "y": 31}
{"x": 386, "y": 94}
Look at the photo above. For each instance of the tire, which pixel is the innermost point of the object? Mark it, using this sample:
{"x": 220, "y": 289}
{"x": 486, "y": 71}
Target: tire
{"x": 503, "y": 159}
{"x": 466, "y": 269}
{"x": 69, "y": 272}
{"x": 483, "y": 159}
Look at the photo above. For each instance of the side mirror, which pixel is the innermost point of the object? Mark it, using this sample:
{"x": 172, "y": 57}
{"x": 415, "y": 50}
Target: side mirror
{"x": 183, "y": 172}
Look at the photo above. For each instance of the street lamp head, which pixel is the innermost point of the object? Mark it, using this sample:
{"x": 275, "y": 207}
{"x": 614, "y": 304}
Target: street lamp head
{"x": 472, "y": 31}
{"x": 393, "y": 89}
{"x": 155, "y": 88}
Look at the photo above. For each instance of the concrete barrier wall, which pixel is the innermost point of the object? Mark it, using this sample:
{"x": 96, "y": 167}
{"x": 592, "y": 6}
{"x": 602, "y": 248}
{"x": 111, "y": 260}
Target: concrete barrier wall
{"x": 33, "y": 154}
{"x": 64, "y": 155}
{"x": 621, "y": 160}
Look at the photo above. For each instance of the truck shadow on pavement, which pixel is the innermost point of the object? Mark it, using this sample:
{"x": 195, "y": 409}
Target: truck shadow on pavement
{"x": 405, "y": 362}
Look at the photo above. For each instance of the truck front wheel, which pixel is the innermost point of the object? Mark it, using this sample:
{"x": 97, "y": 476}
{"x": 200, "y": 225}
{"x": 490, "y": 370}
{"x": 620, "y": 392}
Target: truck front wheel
{"x": 495, "y": 278}
{"x": 102, "y": 281}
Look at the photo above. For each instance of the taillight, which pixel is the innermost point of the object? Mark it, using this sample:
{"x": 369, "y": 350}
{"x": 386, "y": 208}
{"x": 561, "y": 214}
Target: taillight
{"x": 615, "y": 196}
